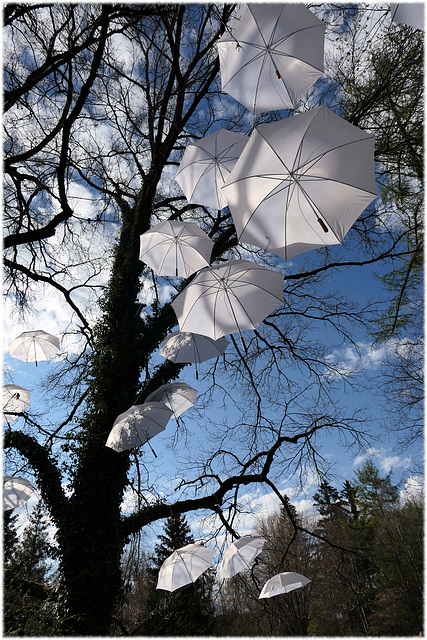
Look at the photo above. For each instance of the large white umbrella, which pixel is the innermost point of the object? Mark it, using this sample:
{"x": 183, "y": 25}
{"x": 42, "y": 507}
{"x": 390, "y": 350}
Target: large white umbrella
{"x": 138, "y": 425}
{"x": 16, "y": 492}
{"x": 240, "y": 555}
{"x": 184, "y": 566}
{"x": 206, "y": 164}
{"x": 183, "y": 346}
{"x": 271, "y": 54}
{"x": 15, "y": 399}
{"x": 178, "y": 396}
{"x": 229, "y": 297}
{"x": 175, "y": 248}
{"x": 34, "y": 346}
{"x": 301, "y": 183}
{"x": 409, "y": 13}
{"x": 283, "y": 583}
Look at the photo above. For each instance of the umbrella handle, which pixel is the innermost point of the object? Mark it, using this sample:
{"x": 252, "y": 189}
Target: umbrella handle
{"x": 323, "y": 225}
{"x": 155, "y": 454}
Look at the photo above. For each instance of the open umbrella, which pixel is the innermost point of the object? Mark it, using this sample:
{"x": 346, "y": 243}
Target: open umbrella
{"x": 301, "y": 183}
{"x": 206, "y": 164}
{"x": 182, "y": 346}
{"x": 270, "y": 55}
{"x": 240, "y": 555}
{"x": 16, "y": 492}
{"x": 229, "y": 297}
{"x": 184, "y": 566}
{"x": 138, "y": 425}
{"x": 175, "y": 248}
{"x": 15, "y": 399}
{"x": 33, "y": 346}
{"x": 409, "y": 13}
{"x": 178, "y": 396}
{"x": 283, "y": 583}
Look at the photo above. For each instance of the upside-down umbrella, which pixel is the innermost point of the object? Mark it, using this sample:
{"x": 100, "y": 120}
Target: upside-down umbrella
{"x": 206, "y": 164}
{"x": 240, "y": 555}
{"x": 283, "y": 583}
{"x": 175, "y": 248}
{"x": 138, "y": 425}
{"x": 410, "y": 13}
{"x": 16, "y": 492}
{"x": 301, "y": 183}
{"x": 178, "y": 396}
{"x": 34, "y": 346}
{"x": 15, "y": 399}
{"x": 184, "y": 566}
{"x": 228, "y": 298}
{"x": 182, "y": 346}
{"x": 271, "y": 54}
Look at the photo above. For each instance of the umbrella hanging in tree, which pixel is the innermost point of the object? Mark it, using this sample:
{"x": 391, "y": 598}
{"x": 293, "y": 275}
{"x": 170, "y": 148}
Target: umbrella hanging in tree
{"x": 16, "y": 492}
{"x": 301, "y": 183}
{"x": 178, "y": 396}
{"x": 15, "y": 399}
{"x": 283, "y": 583}
{"x": 137, "y": 425}
{"x": 175, "y": 248}
{"x": 409, "y": 13}
{"x": 270, "y": 55}
{"x": 240, "y": 555}
{"x": 228, "y": 298}
{"x": 184, "y": 566}
{"x": 206, "y": 164}
{"x": 33, "y": 346}
{"x": 182, "y": 346}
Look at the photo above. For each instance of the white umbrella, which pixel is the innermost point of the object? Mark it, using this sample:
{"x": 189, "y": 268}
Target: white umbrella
{"x": 138, "y": 425}
{"x": 178, "y": 396}
{"x": 33, "y": 346}
{"x": 15, "y": 399}
{"x": 206, "y": 164}
{"x": 175, "y": 248}
{"x": 283, "y": 583}
{"x": 184, "y": 566}
{"x": 301, "y": 183}
{"x": 240, "y": 555}
{"x": 271, "y": 54}
{"x": 182, "y": 346}
{"x": 410, "y": 13}
{"x": 228, "y": 297}
{"x": 16, "y": 492}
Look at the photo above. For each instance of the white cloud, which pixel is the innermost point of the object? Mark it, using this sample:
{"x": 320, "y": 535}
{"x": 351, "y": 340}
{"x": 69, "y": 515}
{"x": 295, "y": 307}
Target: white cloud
{"x": 413, "y": 489}
{"x": 383, "y": 459}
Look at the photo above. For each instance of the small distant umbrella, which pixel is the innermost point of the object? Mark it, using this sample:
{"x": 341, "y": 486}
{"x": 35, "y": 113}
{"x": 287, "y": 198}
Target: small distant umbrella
{"x": 240, "y": 555}
{"x": 283, "y": 583}
{"x": 178, "y": 396}
{"x": 175, "y": 248}
{"x": 228, "y": 298}
{"x": 138, "y": 425}
{"x": 16, "y": 492}
{"x": 184, "y": 566}
{"x": 271, "y": 54}
{"x": 183, "y": 346}
{"x": 409, "y": 13}
{"x": 301, "y": 182}
{"x": 15, "y": 399}
{"x": 206, "y": 164}
{"x": 33, "y": 346}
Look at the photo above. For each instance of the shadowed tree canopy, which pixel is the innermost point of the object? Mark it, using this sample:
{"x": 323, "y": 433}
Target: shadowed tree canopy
{"x": 100, "y": 102}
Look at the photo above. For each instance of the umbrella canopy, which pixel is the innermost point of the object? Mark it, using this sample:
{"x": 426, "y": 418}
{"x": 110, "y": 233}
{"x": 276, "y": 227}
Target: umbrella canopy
{"x": 34, "y": 346}
{"x": 184, "y": 566}
{"x": 270, "y": 55}
{"x": 206, "y": 164}
{"x": 301, "y": 183}
{"x": 228, "y": 297}
{"x": 410, "y": 13}
{"x": 240, "y": 555}
{"x": 137, "y": 425}
{"x": 175, "y": 248}
{"x": 16, "y": 492}
{"x": 178, "y": 396}
{"x": 283, "y": 583}
{"x": 181, "y": 346}
{"x": 15, "y": 399}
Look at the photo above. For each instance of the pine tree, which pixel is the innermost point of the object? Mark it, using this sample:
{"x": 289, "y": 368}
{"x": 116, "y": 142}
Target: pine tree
{"x": 34, "y": 550}
{"x": 10, "y": 537}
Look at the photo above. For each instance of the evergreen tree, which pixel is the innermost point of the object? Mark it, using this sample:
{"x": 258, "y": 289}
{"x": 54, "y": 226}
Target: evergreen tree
{"x": 10, "y": 537}
{"x": 34, "y": 551}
